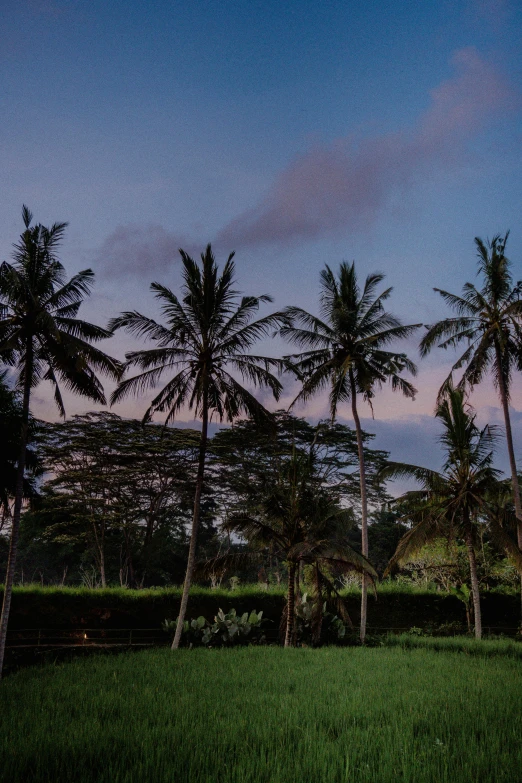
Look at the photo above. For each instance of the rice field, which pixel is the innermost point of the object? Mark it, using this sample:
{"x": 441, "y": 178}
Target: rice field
{"x": 267, "y": 715}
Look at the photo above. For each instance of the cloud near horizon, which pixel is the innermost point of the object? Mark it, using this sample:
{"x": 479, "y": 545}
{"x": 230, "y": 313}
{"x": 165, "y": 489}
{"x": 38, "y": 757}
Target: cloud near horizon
{"x": 347, "y": 183}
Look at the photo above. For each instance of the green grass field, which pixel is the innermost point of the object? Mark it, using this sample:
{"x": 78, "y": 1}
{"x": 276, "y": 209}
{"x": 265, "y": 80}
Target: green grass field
{"x": 267, "y": 715}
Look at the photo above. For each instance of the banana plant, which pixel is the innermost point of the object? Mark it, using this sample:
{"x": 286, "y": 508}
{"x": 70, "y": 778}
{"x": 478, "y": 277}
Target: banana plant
{"x": 227, "y": 629}
{"x": 315, "y": 623}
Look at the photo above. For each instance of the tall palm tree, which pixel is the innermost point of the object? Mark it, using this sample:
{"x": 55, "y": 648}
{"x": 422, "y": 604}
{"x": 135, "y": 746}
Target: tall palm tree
{"x": 41, "y": 336}
{"x": 207, "y": 337}
{"x": 489, "y": 321}
{"x": 346, "y": 351}
{"x": 455, "y": 501}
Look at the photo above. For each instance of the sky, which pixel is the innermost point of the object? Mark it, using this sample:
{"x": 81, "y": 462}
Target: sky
{"x": 296, "y": 134}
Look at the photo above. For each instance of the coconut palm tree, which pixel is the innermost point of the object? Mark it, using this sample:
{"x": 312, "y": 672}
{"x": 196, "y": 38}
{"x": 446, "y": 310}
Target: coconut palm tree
{"x": 489, "y": 321}
{"x": 41, "y": 336}
{"x": 10, "y": 427}
{"x": 300, "y": 519}
{"x": 207, "y": 338}
{"x": 457, "y": 500}
{"x": 346, "y": 352}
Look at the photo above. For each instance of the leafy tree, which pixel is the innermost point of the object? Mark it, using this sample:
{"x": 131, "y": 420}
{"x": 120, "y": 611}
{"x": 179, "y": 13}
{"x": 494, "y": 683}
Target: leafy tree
{"x": 46, "y": 549}
{"x": 288, "y": 492}
{"x": 41, "y": 335}
{"x": 249, "y": 455}
{"x": 302, "y": 519}
{"x": 345, "y": 351}
{"x": 207, "y": 338}
{"x": 384, "y": 533}
{"x": 121, "y": 482}
{"x": 455, "y": 501}
{"x": 443, "y": 562}
{"x": 489, "y": 321}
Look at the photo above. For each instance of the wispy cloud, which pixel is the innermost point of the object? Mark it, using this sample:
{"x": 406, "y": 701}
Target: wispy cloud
{"x": 346, "y": 184}
{"x": 141, "y": 251}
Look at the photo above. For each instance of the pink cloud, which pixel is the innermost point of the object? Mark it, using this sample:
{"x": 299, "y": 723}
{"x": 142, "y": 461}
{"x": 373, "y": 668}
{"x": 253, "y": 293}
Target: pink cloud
{"x": 346, "y": 184}
{"x": 141, "y": 250}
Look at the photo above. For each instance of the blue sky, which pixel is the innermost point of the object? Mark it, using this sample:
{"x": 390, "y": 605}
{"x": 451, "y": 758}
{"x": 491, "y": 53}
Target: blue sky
{"x": 297, "y": 134}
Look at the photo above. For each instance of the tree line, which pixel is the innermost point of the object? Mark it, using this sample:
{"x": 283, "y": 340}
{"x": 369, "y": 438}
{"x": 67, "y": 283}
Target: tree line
{"x": 118, "y": 496}
{"x": 201, "y": 359}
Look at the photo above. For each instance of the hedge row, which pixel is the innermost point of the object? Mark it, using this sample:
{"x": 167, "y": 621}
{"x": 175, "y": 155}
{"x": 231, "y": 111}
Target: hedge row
{"x": 68, "y": 608}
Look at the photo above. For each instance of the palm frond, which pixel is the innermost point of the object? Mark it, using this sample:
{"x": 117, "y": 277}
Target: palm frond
{"x": 428, "y": 529}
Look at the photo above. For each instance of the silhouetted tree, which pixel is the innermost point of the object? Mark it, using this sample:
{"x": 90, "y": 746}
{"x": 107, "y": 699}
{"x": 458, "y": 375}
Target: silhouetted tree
{"x": 207, "y": 339}
{"x": 345, "y": 351}
{"x": 455, "y": 501}
{"x": 489, "y": 321}
{"x": 41, "y": 336}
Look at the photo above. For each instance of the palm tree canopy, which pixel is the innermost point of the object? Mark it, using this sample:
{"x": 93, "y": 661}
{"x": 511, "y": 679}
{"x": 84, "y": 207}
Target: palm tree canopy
{"x": 11, "y": 418}
{"x": 207, "y": 336}
{"x": 301, "y": 520}
{"x": 488, "y": 319}
{"x": 299, "y": 517}
{"x": 350, "y": 339}
{"x": 38, "y": 309}
{"x": 451, "y": 502}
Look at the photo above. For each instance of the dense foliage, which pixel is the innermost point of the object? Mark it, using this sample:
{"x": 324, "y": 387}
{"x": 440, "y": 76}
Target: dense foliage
{"x": 116, "y": 498}
{"x": 461, "y": 499}
{"x": 272, "y": 498}
{"x": 44, "y": 340}
{"x": 10, "y": 426}
{"x": 120, "y": 494}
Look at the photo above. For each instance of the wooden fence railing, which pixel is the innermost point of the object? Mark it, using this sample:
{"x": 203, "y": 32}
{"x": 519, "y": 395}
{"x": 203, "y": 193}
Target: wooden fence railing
{"x": 85, "y": 637}
{"x": 40, "y": 638}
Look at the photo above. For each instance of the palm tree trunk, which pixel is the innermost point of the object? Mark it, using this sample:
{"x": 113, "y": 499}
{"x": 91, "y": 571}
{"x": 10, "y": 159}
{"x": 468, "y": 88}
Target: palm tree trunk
{"x": 364, "y": 506}
{"x": 474, "y": 586}
{"x": 468, "y": 617}
{"x": 130, "y": 560}
{"x": 290, "y": 606}
{"x": 511, "y": 451}
{"x": 103, "y": 577}
{"x": 17, "y": 511}
{"x": 195, "y": 523}
{"x": 100, "y": 548}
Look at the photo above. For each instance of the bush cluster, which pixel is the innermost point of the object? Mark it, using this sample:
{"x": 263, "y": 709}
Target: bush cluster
{"x": 227, "y": 629}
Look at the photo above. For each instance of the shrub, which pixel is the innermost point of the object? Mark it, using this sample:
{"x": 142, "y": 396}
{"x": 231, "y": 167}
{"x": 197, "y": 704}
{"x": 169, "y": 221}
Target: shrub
{"x": 227, "y": 629}
{"x": 315, "y": 625}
